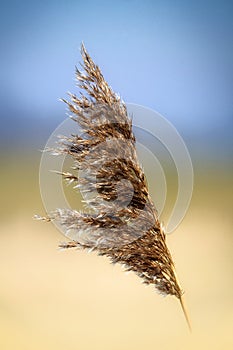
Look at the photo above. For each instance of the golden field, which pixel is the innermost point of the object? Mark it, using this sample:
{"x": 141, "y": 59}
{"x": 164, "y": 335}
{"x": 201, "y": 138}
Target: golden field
{"x": 52, "y": 299}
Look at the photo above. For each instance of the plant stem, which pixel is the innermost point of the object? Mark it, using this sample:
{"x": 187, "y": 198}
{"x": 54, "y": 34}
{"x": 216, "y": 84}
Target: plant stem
{"x": 185, "y": 313}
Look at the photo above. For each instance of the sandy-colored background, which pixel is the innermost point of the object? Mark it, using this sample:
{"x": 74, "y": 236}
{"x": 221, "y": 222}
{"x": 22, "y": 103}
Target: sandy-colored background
{"x": 51, "y": 299}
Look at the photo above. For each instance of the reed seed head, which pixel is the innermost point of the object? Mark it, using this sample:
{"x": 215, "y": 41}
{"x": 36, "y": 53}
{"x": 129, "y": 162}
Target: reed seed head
{"x": 123, "y": 223}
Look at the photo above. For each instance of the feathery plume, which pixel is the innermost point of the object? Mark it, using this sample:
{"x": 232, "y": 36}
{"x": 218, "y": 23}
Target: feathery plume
{"x": 123, "y": 223}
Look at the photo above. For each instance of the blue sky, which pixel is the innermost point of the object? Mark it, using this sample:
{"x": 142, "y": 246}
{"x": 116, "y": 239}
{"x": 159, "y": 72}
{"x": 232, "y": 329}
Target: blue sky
{"x": 172, "y": 56}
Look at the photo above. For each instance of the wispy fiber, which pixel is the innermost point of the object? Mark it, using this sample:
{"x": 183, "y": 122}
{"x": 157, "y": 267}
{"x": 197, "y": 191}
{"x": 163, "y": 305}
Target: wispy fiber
{"x": 123, "y": 223}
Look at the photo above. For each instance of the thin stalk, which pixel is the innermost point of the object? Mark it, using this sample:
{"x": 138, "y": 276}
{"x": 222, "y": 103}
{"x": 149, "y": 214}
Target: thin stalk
{"x": 185, "y": 312}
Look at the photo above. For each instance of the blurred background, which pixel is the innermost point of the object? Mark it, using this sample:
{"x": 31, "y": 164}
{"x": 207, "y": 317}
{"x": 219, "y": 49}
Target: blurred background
{"x": 171, "y": 56}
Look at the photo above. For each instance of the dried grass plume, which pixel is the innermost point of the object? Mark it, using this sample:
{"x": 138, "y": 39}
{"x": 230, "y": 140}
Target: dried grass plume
{"x": 123, "y": 223}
